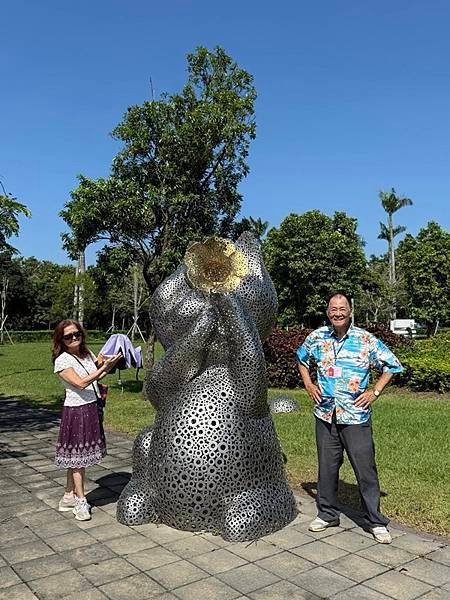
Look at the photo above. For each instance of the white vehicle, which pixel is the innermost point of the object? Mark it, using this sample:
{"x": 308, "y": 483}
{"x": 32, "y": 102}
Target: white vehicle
{"x": 403, "y": 327}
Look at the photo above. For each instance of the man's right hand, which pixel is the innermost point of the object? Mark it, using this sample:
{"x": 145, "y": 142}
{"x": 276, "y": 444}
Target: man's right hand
{"x": 314, "y": 393}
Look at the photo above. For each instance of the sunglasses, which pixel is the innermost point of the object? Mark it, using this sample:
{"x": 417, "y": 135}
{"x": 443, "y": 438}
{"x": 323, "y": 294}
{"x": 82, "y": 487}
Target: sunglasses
{"x": 75, "y": 335}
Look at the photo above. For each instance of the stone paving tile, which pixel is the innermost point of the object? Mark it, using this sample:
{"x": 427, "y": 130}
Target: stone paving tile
{"x": 218, "y": 560}
{"x": 350, "y": 541}
{"x": 17, "y": 592}
{"x": 398, "y": 586}
{"x": 136, "y": 587}
{"x": 322, "y": 582}
{"x": 58, "y": 586}
{"x": 436, "y": 594}
{"x": 17, "y": 535}
{"x": 24, "y": 552}
{"x": 13, "y": 499}
{"x": 104, "y": 533}
{"x": 2, "y": 562}
{"x": 248, "y": 578}
{"x": 21, "y": 509}
{"x": 99, "y": 517}
{"x": 67, "y": 541}
{"x": 86, "y": 555}
{"x": 87, "y": 594}
{"x": 415, "y": 544}
{"x": 152, "y": 558}
{"x": 190, "y": 546}
{"x": 319, "y": 552}
{"x": 50, "y": 530}
{"x": 317, "y": 535}
{"x": 359, "y": 592}
{"x": 254, "y": 550}
{"x": 288, "y": 538}
{"x": 282, "y": 590}
{"x": 162, "y": 534}
{"x": 428, "y": 571}
{"x": 108, "y": 570}
{"x": 442, "y": 555}
{"x": 358, "y": 569}
{"x": 8, "y": 577}
{"x": 42, "y": 518}
{"x": 217, "y": 540}
{"x": 42, "y": 567}
{"x": 207, "y": 589}
{"x": 177, "y": 574}
{"x": 386, "y": 554}
{"x": 130, "y": 544}
{"x": 285, "y": 565}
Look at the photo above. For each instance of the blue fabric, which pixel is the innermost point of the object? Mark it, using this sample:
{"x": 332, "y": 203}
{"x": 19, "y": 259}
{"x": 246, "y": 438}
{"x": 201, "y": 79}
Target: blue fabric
{"x": 355, "y": 354}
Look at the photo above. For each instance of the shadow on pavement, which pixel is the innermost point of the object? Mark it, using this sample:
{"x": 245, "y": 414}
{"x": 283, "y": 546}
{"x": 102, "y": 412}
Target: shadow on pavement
{"x": 349, "y": 500}
{"x": 15, "y": 415}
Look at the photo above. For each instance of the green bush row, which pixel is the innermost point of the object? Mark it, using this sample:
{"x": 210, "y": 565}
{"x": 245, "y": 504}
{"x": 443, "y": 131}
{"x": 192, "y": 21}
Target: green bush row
{"x": 46, "y": 335}
{"x": 425, "y": 373}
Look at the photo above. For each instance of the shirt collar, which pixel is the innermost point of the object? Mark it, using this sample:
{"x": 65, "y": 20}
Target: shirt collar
{"x": 332, "y": 332}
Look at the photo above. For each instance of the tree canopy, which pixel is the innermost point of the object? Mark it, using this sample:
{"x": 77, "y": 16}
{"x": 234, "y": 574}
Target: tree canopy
{"x": 176, "y": 177}
{"x": 424, "y": 261}
{"x": 309, "y": 257}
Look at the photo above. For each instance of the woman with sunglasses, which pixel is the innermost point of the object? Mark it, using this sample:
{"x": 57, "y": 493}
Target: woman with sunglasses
{"x": 81, "y": 441}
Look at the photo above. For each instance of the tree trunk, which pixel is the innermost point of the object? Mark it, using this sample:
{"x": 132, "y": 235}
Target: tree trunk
{"x": 82, "y": 270}
{"x": 135, "y": 300}
{"x": 149, "y": 359}
{"x": 75, "y": 293}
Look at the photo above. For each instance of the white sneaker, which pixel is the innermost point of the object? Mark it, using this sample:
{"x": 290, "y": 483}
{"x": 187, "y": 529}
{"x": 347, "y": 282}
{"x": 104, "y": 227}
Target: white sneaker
{"x": 381, "y": 534}
{"x": 67, "y": 504}
{"x": 320, "y": 525}
{"x": 81, "y": 510}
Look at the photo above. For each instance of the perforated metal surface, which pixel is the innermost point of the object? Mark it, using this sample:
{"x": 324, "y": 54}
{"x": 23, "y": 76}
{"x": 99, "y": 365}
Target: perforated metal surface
{"x": 283, "y": 404}
{"x": 212, "y": 461}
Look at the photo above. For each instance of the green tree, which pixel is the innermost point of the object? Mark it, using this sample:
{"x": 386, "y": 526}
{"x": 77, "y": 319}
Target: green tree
{"x": 309, "y": 257}
{"x": 424, "y": 261}
{"x": 391, "y": 204}
{"x": 255, "y": 226}
{"x": 10, "y": 210}
{"x": 176, "y": 178}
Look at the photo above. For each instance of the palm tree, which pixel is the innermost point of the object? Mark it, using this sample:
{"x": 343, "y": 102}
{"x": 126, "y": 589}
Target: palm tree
{"x": 255, "y": 226}
{"x": 391, "y": 204}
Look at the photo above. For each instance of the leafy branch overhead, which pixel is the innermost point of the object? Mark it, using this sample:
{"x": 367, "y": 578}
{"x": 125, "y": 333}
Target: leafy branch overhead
{"x": 177, "y": 175}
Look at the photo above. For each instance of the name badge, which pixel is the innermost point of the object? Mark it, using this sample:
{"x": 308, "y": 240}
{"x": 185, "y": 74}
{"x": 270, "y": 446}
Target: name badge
{"x": 334, "y": 372}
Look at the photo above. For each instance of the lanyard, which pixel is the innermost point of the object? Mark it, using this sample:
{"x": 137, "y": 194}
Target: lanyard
{"x": 336, "y": 354}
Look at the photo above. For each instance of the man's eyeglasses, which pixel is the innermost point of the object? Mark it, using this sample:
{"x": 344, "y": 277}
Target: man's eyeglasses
{"x": 75, "y": 335}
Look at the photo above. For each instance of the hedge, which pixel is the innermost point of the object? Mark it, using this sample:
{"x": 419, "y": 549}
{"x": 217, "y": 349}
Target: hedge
{"x": 46, "y": 335}
{"x": 426, "y": 363}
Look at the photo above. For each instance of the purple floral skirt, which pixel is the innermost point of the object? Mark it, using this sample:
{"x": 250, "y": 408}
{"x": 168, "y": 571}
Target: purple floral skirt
{"x": 81, "y": 440}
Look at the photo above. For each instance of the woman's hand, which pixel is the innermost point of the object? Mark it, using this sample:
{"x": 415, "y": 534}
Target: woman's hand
{"x": 110, "y": 362}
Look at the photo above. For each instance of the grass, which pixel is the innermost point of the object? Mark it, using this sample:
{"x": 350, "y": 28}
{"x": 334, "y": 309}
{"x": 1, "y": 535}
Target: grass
{"x": 411, "y": 434}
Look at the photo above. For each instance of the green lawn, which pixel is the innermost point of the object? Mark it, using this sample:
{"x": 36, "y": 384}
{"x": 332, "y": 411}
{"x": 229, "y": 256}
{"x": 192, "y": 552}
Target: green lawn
{"x": 411, "y": 434}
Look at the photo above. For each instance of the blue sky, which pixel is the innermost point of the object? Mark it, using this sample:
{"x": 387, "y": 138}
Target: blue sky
{"x": 353, "y": 97}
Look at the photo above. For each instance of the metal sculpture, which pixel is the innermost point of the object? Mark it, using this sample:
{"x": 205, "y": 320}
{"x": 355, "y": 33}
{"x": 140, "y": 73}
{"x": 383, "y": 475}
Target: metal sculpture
{"x": 283, "y": 404}
{"x": 212, "y": 461}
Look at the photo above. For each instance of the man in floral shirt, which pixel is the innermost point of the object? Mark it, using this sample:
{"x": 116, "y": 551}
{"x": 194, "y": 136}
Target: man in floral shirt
{"x": 344, "y": 355}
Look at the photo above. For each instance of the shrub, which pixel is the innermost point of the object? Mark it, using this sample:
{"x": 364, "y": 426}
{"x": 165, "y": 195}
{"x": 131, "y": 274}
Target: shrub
{"x": 392, "y": 340}
{"x": 45, "y": 335}
{"x": 279, "y": 350}
{"x": 425, "y": 374}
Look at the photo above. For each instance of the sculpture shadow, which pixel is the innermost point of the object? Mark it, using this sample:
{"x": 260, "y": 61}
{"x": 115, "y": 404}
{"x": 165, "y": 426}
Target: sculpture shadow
{"x": 349, "y": 501}
{"x": 109, "y": 488}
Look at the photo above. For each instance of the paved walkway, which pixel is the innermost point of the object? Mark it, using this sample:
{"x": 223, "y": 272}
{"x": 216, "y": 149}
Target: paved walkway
{"x": 46, "y": 554}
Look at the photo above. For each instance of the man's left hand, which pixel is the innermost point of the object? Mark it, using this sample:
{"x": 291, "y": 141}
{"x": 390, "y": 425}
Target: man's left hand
{"x": 365, "y": 399}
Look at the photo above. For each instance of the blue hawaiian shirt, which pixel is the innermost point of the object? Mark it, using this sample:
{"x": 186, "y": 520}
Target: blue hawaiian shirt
{"x": 354, "y": 355}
